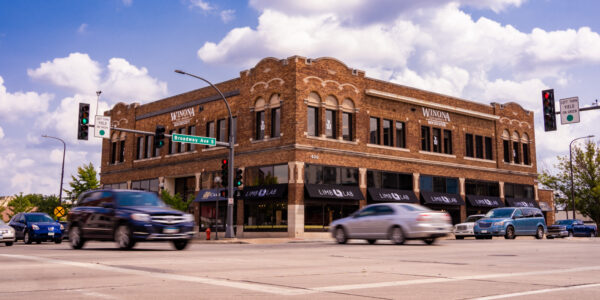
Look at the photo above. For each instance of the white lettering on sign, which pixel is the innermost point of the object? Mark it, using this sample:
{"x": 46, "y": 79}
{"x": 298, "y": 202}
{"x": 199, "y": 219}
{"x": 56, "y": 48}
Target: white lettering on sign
{"x": 436, "y": 117}
{"x": 182, "y": 117}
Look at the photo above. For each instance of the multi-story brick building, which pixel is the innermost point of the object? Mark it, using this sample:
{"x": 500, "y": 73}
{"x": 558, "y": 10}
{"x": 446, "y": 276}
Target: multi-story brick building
{"x": 317, "y": 140}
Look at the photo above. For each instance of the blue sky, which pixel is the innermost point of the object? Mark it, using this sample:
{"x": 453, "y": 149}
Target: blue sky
{"x": 54, "y": 54}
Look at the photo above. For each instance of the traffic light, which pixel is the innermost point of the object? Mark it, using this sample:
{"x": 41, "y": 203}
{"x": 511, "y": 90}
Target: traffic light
{"x": 549, "y": 112}
{"x": 223, "y": 193}
{"x": 84, "y": 121}
{"x": 238, "y": 177}
{"x": 224, "y": 175}
{"x": 159, "y": 136}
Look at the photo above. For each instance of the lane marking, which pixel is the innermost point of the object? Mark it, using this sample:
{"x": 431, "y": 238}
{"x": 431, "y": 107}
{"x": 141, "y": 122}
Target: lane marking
{"x": 583, "y": 286}
{"x": 292, "y": 291}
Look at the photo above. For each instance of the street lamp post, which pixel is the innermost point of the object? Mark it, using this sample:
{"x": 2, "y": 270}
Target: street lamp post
{"x": 571, "y": 165}
{"x": 62, "y": 172}
{"x": 229, "y": 227}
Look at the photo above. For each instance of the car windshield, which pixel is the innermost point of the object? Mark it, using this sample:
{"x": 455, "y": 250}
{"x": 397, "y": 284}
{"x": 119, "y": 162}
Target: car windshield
{"x": 564, "y": 222}
{"x": 473, "y": 219}
{"x": 500, "y": 213}
{"x": 138, "y": 199}
{"x": 38, "y": 218}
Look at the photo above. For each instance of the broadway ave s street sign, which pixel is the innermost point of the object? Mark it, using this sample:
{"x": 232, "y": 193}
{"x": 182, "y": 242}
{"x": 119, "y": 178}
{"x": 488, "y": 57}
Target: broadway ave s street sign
{"x": 192, "y": 139}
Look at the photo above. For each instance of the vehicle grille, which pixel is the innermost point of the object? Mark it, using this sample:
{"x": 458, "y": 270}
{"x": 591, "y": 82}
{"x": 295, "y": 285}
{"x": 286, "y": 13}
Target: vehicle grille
{"x": 168, "y": 219}
{"x": 485, "y": 224}
{"x": 461, "y": 227}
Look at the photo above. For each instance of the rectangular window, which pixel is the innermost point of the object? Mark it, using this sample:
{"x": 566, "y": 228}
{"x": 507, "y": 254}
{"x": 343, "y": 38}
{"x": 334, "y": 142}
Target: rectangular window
{"x": 221, "y": 130}
{"x": 260, "y": 125}
{"x": 469, "y": 145}
{"x": 374, "y": 131}
{"x": 122, "y": 151}
{"x": 181, "y": 146}
{"x": 506, "y": 145}
{"x": 234, "y": 129}
{"x": 437, "y": 140}
{"x": 140, "y": 145}
{"x": 387, "y": 133}
{"x": 347, "y": 126}
{"x": 516, "y": 154}
{"x": 478, "y": 146}
{"x": 330, "y": 129}
{"x": 210, "y": 129}
{"x": 171, "y": 143}
{"x": 113, "y": 153}
{"x": 526, "y": 154}
{"x": 313, "y": 121}
{"x": 400, "y": 135}
{"x": 149, "y": 146}
{"x": 156, "y": 150}
{"x": 275, "y": 122}
{"x": 191, "y": 131}
{"x": 447, "y": 141}
{"x": 425, "y": 139}
{"x": 488, "y": 148}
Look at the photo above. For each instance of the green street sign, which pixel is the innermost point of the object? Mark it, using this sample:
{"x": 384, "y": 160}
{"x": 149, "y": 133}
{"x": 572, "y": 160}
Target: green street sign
{"x": 192, "y": 139}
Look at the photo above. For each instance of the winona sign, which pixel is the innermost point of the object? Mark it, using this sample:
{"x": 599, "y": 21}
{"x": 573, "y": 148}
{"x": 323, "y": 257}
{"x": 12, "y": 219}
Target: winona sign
{"x": 436, "y": 117}
{"x": 182, "y": 117}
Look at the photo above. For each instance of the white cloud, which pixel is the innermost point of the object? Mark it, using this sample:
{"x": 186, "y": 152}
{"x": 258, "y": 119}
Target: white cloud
{"x": 15, "y": 105}
{"x": 82, "y": 28}
{"x": 127, "y": 2}
{"x": 227, "y": 15}
{"x": 25, "y": 163}
{"x": 125, "y": 82}
{"x": 1, "y": 133}
{"x": 203, "y": 5}
{"x": 77, "y": 72}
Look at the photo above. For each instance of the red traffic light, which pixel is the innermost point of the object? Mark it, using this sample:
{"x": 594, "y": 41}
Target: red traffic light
{"x": 224, "y": 161}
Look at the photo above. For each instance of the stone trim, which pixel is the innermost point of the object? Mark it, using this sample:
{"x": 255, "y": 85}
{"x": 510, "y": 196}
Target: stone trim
{"x": 187, "y": 104}
{"x": 479, "y": 159}
{"x": 437, "y": 154}
{"x": 388, "y": 147}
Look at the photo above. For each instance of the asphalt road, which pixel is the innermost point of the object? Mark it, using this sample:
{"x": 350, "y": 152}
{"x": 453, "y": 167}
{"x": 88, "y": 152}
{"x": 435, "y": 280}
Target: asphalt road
{"x": 469, "y": 269}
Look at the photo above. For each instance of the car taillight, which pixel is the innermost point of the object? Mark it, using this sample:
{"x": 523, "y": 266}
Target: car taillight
{"x": 447, "y": 217}
{"x": 423, "y": 217}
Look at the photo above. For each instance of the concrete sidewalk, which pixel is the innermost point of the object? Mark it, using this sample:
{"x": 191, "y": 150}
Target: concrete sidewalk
{"x": 262, "y": 240}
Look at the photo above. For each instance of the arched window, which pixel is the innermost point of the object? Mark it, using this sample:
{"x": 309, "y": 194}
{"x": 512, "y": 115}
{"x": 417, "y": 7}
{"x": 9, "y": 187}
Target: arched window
{"x": 347, "y": 109}
{"x": 331, "y": 105}
{"x": 516, "y": 148}
{"x": 312, "y": 114}
{"x": 259, "y": 110}
{"x": 275, "y": 105}
{"x": 525, "y": 143}
{"x": 506, "y": 145}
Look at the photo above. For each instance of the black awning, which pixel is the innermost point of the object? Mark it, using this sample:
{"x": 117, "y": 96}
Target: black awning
{"x": 327, "y": 191}
{"x": 485, "y": 201}
{"x": 264, "y": 192}
{"x": 210, "y": 195}
{"x": 520, "y": 202}
{"x": 391, "y": 195}
{"x": 545, "y": 206}
{"x": 442, "y": 198}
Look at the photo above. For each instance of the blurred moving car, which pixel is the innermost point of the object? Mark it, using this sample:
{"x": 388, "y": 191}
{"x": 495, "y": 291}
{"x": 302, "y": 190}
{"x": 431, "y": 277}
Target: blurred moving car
{"x": 511, "y": 222}
{"x": 570, "y": 228}
{"x": 465, "y": 229}
{"x": 397, "y": 222}
{"x": 36, "y": 227}
{"x": 7, "y": 234}
{"x": 127, "y": 217}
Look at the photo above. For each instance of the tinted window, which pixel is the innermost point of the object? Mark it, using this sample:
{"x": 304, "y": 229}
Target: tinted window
{"x": 384, "y": 210}
{"x": 138, "y": 199}
{"x": 518, "y": 213}
{"x": 538, "y": 214}
{"x": 367, "y": 211}
{"x": 38, "y": 218}
{"x": 500, "y": 213}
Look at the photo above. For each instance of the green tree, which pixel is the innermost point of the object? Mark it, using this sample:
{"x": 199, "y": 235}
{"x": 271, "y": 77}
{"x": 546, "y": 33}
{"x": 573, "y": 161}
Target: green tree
{"x": 87, "y": 179}
{"x": 44, "y": 203}
{"x": 20, "y": 204}
{"x": 176, "y": 201}
{"x": 586, "y": 181}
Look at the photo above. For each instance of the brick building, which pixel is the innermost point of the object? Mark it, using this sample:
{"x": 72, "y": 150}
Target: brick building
{"x": 317, "y": 140}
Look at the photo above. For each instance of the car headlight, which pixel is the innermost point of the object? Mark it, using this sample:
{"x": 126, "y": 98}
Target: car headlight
{"x": 498, "y": 223}
{"x": 141, "y": 217}
{"x": 62, "y": 227}
{"x": 35, "y": 227}
{"x": 188, "y": 218}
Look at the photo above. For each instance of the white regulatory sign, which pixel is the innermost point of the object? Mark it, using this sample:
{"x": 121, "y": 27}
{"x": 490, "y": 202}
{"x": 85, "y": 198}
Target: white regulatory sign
{"x": 102, "y": 127}
{"x": 569, "y": 110}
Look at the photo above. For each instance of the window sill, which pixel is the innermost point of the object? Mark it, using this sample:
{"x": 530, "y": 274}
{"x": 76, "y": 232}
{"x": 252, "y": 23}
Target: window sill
{"x": 518, "y": 165}
{"x": 388, "y": 147}
{"x": 321, "y": 138}
{"x": 437, "y": 154}
{"x": 479, "y": 159}
{"x": 214, "y": 148}
{"x": 253, "y": 141}
{"x": 146, "y": 159}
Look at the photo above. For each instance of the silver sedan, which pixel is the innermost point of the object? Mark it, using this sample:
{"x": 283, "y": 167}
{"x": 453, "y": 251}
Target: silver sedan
{"x": 397, "y": 222}
{"x": 7, "y": 234}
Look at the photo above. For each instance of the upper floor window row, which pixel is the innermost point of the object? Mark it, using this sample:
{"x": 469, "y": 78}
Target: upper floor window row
{"x": 436, "y": 140}
{"x": 272, "y": 110}
{"x": 478, "y": 146}
{"x": 387, "y": 132}
{"x": 329, "y": 118}
{"x": 516, "y": 148}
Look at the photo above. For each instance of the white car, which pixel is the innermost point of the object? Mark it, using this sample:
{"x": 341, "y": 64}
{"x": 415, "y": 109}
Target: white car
{"x": 7, "y": 234}
{"x": 465, "y": 229}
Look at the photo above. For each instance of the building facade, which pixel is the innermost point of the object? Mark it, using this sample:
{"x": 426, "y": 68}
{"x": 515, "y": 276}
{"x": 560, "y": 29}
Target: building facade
{"x": 317, "y": 140}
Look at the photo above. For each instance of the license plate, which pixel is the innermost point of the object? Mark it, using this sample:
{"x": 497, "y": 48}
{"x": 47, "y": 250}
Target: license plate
{"x": 51, "y": 233}
{"x": 484, "y": 231}
{"x": 171, "y": 230}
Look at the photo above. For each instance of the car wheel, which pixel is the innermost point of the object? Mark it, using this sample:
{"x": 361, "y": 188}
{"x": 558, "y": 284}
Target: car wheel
{"x": 397, "y": 236}
{"x": 539, "y": 233}
{"x": 8, "y": 244}
{"x": 371, "y": 242}
{"x": 549, "y": 237}
{"x": 429, "y": 241}
{"x": 510, "y": 233}
{"x": 180, "y": 244}
{"x": 38, "y": 242}
{"x": 570, "y": 233}
{"x": 340, "y": 235}
{"x": 124, "y": 238}
{"x": 58, "y": 241}
{"x": 75, "y": 238}
{"x": 27, "y": 238}
{"x": 459, "y": 237}
{"x": 488, "y": 237}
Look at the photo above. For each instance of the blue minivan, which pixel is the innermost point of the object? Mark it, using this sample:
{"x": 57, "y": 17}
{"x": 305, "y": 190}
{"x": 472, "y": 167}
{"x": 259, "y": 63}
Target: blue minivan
{"x": 511, "y": 222}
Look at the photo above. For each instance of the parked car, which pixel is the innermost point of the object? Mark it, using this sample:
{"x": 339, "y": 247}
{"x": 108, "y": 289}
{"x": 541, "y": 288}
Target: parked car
{"x": 465, "y": 229}
{"x": 127, "y": 217}
{"x": 511, "y": 222}
{"x": 36, "y": 227}
{"x": 564, "y": 228}
{"x": 7, "y": 234}
{"x": 392, "y": 221}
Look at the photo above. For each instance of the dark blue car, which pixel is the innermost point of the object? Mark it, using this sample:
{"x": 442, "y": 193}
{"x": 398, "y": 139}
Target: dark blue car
{"x": 511, "y": 222}
{"x": 36, "y": 227}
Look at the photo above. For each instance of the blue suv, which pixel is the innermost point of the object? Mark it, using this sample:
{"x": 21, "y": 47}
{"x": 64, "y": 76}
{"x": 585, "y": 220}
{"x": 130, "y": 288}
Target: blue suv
{"x": 510, "y": 222}
{"x": 127, "y": 217}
